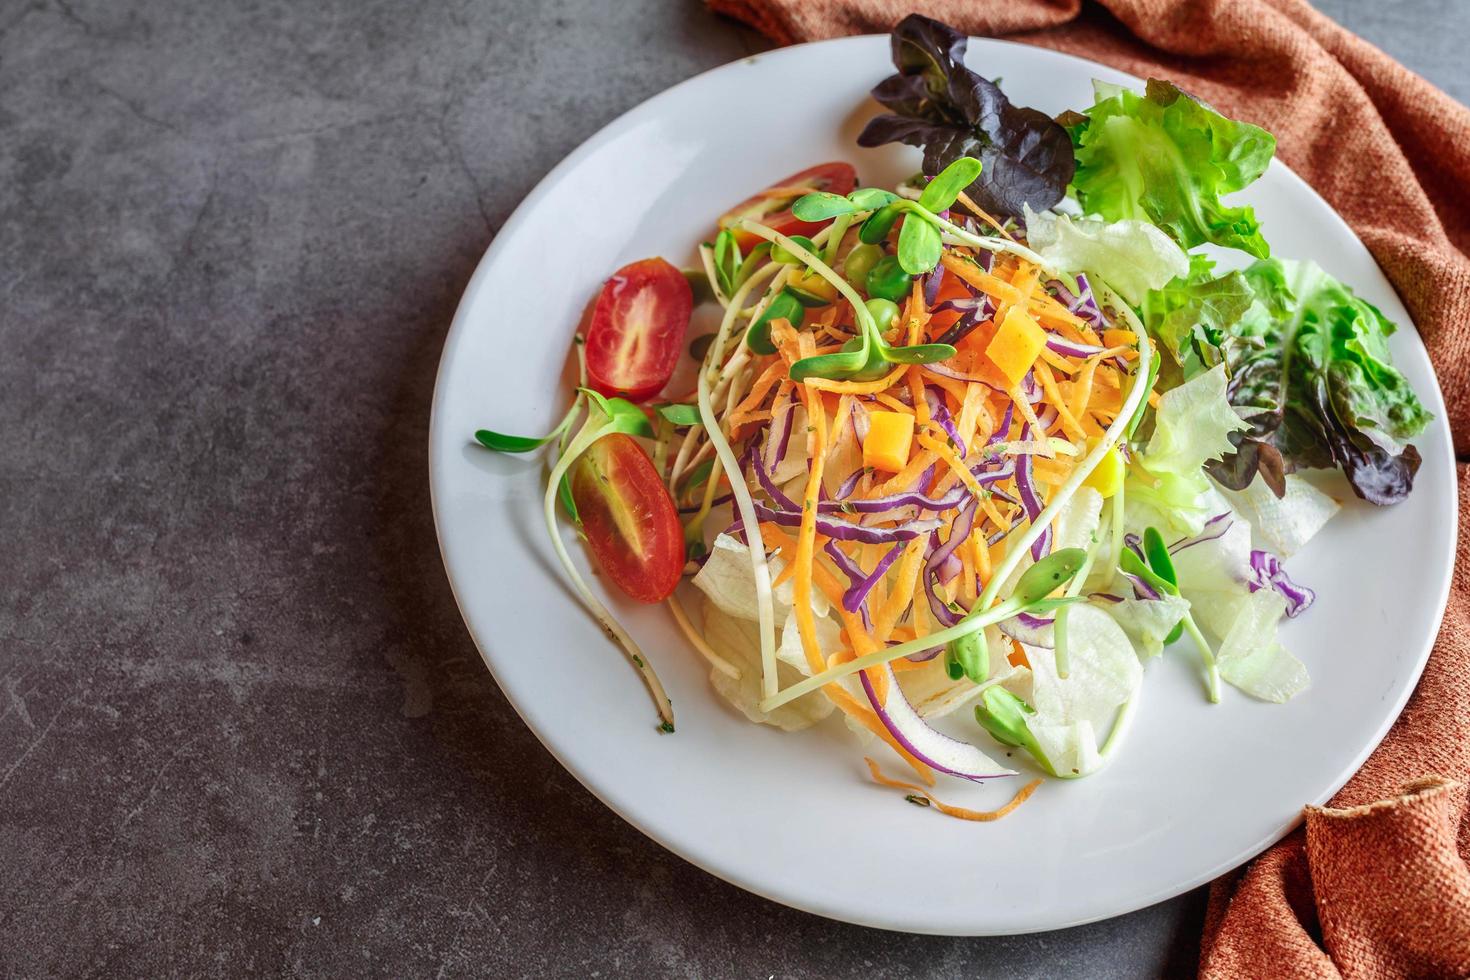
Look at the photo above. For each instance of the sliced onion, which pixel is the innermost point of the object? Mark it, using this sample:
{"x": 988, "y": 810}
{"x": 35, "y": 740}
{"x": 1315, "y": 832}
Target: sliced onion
{"x": 1030, "y": 630}
{"x": 1214, "y": 528}
{"x": 931, "y": 747}
{"x": 859, "y": 421}
{"x": 1141, "y": 588}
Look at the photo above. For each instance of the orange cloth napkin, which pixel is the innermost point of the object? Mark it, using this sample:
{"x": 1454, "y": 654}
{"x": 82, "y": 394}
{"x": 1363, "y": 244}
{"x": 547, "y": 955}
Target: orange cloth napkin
{"x": 1376, "y": 885}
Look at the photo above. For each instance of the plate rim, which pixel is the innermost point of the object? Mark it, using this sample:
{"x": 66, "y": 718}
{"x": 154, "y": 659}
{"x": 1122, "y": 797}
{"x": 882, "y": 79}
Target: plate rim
{"x": 458, "y": 329}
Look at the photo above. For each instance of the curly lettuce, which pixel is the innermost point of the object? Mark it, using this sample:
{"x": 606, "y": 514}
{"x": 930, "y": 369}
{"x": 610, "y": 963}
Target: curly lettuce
{"x": 1190, "y": 314}
{"x": 1167, "y": 158}
{"x": 1311, "y": 374}
{"x": 936, "y": 103}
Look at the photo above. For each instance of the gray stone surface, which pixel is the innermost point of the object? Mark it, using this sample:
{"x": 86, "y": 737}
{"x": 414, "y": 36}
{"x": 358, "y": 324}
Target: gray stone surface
{"x": 241, "y": 725}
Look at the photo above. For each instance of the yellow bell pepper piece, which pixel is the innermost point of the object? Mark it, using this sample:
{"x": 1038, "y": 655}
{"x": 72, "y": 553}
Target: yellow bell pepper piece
{"x": 1107, "y": 477}
{"x": 890, "y": 436}
{"x": 1016, "y": 344}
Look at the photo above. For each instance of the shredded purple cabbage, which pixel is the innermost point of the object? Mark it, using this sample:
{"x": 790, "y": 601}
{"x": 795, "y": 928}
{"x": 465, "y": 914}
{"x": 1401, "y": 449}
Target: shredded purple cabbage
{"x": 964, "y": 523}
{"x": 1082, "y": 304}
{"x": 1030, "y": 500}
{"x": 1069, "y": 348}
{"x": 1269, "y": 573}
{"x": 846, "y": 531}
{"x": 931, "y": 284}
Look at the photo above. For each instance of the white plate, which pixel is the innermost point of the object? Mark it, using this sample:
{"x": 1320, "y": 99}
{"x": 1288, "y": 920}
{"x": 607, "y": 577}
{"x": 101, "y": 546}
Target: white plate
{"x": 1197, "y": 789}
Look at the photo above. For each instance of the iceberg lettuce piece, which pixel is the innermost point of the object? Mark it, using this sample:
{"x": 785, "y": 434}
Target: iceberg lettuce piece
{"x": 1132, "y": 256}
{"x": 738, "y": 641}
{"x": 1192, "y": 425}
{"x": 1250, "y": 656}
{"x": 1285, "y": 525}
{"x": 727, "y": 580}
{"x": 1148, "y": 622}
{"x": 1067, "y": 713}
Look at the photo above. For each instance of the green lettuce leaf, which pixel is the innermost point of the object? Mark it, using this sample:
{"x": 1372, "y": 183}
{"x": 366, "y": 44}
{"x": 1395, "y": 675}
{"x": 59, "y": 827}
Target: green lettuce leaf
{"x": 1167, "y": 158}
{"x": 1311, "y": 373}
{"x": 1192, "y": 425}
{"x": 1191, "y": 314}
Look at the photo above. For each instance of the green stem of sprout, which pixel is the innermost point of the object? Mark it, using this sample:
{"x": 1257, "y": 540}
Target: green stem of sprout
{"x": 592, "y": 431}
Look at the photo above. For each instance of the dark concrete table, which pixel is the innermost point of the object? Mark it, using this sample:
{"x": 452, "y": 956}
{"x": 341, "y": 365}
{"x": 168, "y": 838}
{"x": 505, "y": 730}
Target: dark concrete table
{"x": 241, "y": 725}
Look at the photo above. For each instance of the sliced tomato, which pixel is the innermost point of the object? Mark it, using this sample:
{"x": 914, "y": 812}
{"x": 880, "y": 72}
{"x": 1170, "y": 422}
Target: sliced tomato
{"x": 637, "y": 329}
{"x": 629, "y": 518}
{"x": 772, "y": 206}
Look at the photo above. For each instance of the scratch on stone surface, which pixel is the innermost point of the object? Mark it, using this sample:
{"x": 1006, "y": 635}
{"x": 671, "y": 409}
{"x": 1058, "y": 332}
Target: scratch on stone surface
{"x": 136, "y": 109}
{"x": 137, "y": 811}
{"x": 17, "y": 701}
{"x": 456, "y": 151}
{"x": 287, "y": 135}
{"x": 15, "y": 21}
{"x": 418, "y": 696}
{"x": 465, "y": 914}
{"x": 34, "y": 742}
{"x": 66, "y": 11}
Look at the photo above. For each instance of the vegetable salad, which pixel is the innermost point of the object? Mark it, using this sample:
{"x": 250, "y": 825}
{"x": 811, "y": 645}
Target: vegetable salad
{"x": 984, "y": 444}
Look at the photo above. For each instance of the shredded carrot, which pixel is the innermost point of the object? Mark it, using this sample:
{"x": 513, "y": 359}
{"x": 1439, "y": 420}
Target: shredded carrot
{"x": 918, "y": 463}
{"x": 959, "y": 812}
{"x": 1057, "y": 362}
{"x": 1017, "y": 656}
{"x": 967, "y": 574}
{"x": 916, "y": 394}
{"x": 1064, "y": 414}
{"x": 864, "y": 716}
{"x": 940, "y": 449}
{"x": 982, "y": 555}
{"x": 775, "y": 372}
{"x": 909, "y": 567}
{"x": 858, "y": 387}
{"x": 784, "y": 576}
{"x": 806, "y": 536}
{"x": 956, "y": 388}
{"x": 893, "y": 403}
{"x": 983, "y": 215}
{"x": 1082, "y": 389}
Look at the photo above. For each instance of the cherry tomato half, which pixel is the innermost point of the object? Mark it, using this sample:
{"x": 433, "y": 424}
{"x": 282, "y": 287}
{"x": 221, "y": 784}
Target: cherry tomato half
{"x": 772, "y": 206}
{"x": 637, "y": 329}
{"x": 629, "y": 518}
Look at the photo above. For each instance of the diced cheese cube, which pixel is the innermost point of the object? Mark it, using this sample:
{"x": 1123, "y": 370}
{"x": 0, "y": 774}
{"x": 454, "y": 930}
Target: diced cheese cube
{"x": 1016, "y": 344}
{"x": 890, "y": 436}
